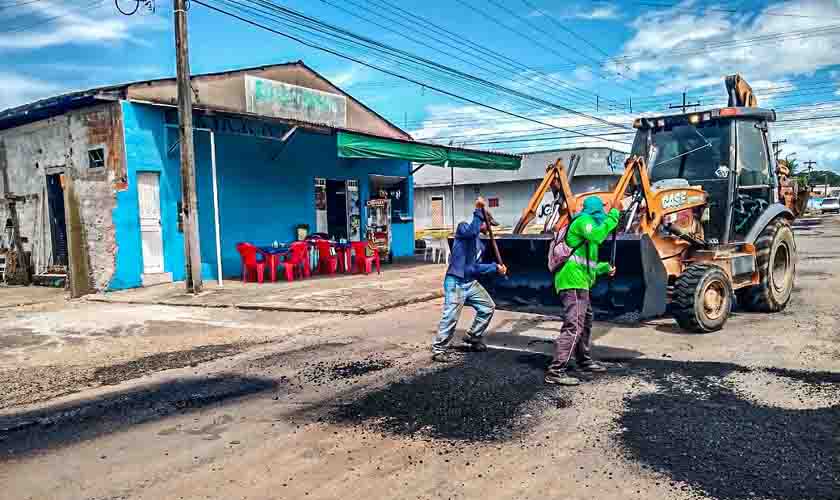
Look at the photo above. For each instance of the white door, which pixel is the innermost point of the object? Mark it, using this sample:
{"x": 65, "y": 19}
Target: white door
{"x": 148, "y": 190}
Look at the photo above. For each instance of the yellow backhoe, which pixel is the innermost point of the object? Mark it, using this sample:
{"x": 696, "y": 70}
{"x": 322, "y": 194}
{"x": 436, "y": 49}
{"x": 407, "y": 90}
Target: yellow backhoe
{"x": 706, "y": 217}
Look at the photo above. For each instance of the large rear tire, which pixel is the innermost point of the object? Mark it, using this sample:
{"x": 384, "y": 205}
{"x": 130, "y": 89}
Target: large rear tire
{"x": 702, "y": 298}
{"x": 776, "y": 264}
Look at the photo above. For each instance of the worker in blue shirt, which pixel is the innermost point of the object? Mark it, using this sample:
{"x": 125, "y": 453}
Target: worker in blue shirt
{"x": 461, "y": 288}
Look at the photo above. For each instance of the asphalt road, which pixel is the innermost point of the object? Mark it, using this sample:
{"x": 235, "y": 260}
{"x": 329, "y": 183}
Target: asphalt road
{"x": 351, "y": 407}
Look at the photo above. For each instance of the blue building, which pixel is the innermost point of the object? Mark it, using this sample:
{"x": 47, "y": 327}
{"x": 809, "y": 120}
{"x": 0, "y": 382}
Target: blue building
{"x": 276, "y": 148}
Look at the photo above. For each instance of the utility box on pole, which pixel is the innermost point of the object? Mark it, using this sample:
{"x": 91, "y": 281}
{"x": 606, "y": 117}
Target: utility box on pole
{"x": 189, "y": 199}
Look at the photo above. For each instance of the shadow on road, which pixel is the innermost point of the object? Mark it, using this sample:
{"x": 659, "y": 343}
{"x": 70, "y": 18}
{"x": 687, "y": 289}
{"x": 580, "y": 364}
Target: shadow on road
{"x": 698, "y": 429}
{"x": 60, "y": 425}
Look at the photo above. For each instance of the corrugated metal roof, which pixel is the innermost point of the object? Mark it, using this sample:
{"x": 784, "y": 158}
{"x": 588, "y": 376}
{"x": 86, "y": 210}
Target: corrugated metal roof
{"x": 533, "y": 167}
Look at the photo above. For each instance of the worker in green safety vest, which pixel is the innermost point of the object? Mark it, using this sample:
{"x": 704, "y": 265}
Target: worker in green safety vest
{"x": 572, "y": 282}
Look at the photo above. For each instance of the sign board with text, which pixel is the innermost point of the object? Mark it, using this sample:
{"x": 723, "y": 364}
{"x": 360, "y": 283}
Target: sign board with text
{"x": 283, "y": 100}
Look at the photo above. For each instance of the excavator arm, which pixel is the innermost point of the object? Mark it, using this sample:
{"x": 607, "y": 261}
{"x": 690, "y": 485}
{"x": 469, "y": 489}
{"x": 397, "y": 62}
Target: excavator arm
{"x": 740, "y": 93}
{"x": 555, "y": 179}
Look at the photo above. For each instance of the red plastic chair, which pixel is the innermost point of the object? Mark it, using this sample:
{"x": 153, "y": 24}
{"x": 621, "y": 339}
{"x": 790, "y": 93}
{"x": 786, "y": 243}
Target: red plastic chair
{"x": 363, "y": 263}
{"x": 327, "y": 262}
{"x": 344, "y": 257}
{"x": 250, "y": 264}
{"x": 298, "y": 261}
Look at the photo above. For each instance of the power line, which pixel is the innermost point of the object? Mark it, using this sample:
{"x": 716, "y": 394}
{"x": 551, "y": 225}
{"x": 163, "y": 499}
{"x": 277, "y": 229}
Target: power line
{"x": 404, "y": 55}
{"x": 47, "y": 20}
{"x": 372, "y": 66}
{"x": 464, "y": 43}
{"x": 421, "y": 42}
{"x": 518, "y": 32}
{"x": 563, "y": 27}
{"x": 18, "y": 4}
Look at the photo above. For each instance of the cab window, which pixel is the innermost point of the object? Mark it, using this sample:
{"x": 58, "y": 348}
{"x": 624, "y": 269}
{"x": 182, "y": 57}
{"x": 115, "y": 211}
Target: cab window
{"x": 752, "y": 155}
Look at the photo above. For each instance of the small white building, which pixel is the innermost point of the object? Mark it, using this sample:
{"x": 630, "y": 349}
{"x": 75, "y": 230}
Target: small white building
{"x": 507, "y": 192}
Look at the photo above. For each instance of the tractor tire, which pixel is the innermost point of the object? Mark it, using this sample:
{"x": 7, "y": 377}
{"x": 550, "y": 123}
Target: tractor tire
{"x": 776, "y": 265}
{"x": 702, "y": 298}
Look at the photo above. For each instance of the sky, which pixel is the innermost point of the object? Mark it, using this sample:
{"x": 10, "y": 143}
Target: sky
{"x": 512, "y": 75}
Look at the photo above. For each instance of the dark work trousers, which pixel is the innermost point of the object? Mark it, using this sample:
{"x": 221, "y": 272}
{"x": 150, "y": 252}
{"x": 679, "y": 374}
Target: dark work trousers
{"x": 576, "y": 332}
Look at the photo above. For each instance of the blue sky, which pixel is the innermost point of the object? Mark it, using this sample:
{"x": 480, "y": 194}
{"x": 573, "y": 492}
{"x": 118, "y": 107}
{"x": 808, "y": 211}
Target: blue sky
{"x": 572, "y": 68}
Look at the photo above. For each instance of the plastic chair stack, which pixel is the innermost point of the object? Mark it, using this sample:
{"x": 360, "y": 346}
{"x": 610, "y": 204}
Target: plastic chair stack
{"x": 327, "y": 262}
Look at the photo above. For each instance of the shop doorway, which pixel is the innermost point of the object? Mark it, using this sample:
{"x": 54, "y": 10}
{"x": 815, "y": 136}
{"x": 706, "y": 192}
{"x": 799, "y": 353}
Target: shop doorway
{"x": 337, "y": 209}
{"x": 58, "y": 224}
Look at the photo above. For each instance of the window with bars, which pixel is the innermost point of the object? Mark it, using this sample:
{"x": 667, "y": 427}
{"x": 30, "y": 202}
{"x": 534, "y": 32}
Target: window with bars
{"x": 493, "y": 202}
{"x": 96, "y": 157}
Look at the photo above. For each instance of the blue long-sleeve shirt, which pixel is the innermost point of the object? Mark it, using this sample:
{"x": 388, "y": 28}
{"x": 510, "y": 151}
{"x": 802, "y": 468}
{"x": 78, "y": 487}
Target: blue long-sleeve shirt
{"x": 464, "y": 261}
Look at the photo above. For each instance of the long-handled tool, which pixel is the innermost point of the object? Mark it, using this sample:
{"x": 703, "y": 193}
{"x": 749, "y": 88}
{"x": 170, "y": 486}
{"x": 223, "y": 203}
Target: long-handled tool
{"x": 492, "y": 239}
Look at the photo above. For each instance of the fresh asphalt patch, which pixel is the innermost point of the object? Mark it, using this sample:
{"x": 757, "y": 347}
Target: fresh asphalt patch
{"x": 120, "y": 372}
{"x": 697, "y": 429}
{"x": 330, "y": 373}
{"x": 484, "y": 397}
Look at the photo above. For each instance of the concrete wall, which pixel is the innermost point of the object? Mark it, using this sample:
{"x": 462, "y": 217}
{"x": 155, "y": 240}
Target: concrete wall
{"x": 265, "y": 189}
{"x": 228, "y": 91}
{"x": 60, "y": 145}
{"x": 513, "y": 197}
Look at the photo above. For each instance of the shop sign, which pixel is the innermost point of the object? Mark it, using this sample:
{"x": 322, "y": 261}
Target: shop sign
{"x": 227, "y": 124}
{"x": 283, "y": 100}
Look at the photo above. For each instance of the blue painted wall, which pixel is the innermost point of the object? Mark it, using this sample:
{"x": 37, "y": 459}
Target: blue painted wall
{"x": 146, "y": 146}
{"x": 264, "y": 191}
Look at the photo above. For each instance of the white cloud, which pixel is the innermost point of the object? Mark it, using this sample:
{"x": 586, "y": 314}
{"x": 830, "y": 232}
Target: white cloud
{"x": 469, "y": 124}
{"x": 684, "y": 42}
{"x": 66, "y": 24}
{"x": 348, "y": 77}
{"x": 692, "y": 46}
{"x": 600, "y": 12}
{"x": 18, "y": 89}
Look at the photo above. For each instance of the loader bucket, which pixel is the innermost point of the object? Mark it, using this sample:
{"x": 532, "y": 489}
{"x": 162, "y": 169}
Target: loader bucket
{"x": 640, "y": 285}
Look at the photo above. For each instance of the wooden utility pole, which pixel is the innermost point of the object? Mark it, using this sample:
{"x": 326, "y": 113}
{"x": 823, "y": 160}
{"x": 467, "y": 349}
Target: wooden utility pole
{"x": 777, "y": 149}
{"x": 809, "y": 165}
{"x": 685, "y": 105}
{"x": 189, "y": 199}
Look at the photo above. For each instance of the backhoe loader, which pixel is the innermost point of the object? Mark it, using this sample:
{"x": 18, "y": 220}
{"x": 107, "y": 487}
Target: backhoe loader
{"x": 705, "y": 221}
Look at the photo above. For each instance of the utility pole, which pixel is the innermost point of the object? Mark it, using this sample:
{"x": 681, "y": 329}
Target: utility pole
{"x": 809, "y": 165}
{"x": 685, "y": 105}
{"x": 189, "y": 199}
{"x": 777, "y": 148}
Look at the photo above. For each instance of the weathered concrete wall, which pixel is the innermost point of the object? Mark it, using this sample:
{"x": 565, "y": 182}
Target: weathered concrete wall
{"x": 60, "y": 145}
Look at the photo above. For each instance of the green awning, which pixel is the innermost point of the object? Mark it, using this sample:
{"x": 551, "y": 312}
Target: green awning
{"x": 352, "y": 145}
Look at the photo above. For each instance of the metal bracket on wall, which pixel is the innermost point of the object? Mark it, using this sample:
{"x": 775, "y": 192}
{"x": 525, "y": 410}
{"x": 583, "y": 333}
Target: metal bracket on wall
{"x": 284, "y": 141}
